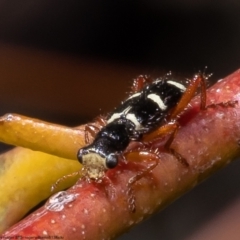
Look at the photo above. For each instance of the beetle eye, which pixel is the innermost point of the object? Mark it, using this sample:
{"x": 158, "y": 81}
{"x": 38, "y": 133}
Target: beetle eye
{"x": 80, "y": 155}
{"x": 111, "y": 160}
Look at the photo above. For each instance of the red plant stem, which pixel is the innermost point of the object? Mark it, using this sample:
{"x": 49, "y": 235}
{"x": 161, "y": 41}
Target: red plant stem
{"x": 208, "y": 140}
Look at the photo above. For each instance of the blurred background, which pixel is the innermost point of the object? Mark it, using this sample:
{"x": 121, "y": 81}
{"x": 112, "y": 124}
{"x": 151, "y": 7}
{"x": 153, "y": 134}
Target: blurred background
{"x": 69, "y": 61}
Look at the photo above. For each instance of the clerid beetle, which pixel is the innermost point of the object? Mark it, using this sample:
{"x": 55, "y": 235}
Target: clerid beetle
{"x": 152, "y": 108}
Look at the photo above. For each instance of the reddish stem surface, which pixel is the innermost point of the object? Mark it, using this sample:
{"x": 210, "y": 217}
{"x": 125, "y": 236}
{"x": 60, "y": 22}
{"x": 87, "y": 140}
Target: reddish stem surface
{"x": 207, "y": 139}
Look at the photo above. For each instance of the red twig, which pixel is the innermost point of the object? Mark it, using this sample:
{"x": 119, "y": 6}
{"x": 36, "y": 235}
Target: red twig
{"x": 207, "y": 139}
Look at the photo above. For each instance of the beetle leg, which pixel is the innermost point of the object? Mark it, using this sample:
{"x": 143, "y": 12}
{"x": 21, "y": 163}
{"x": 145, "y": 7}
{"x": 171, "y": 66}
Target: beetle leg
{"x": 140, "y": 82}
{"x": 101, "y": 120}
{"x": 91, "y": 130}
{"x": 198, "y": 79}
{"x": 142, "y": 156}
{"x": 170, "y": 128}
{"x": 74, "y": 174}
{"x": 223, "y": 104}
{"x": 110, "y": 189}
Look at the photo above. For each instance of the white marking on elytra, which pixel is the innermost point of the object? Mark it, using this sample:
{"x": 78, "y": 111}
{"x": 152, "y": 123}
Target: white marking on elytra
{"x": 178, "y": 85}
{"x": 114, "y": 117}
{"x": 129, "y": 116}
{"x": 134, "y": 95}
{"x": 157, "y": 100}
{"x": 133, "y": 119}
{"x": 157, "y": 81}
{"x": 118, "y": 115}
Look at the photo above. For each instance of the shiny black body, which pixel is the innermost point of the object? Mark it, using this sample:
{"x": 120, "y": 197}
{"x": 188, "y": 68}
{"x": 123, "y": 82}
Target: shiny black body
{"x": 139, "y": 114}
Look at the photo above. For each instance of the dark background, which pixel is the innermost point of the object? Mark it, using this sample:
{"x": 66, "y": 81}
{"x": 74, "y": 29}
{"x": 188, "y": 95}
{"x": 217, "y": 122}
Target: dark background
{"x": 174, "y": 35}
{"x": 182, "y": 36}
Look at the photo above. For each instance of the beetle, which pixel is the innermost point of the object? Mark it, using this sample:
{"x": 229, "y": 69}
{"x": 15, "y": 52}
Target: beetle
{"x": 151, "y": 110}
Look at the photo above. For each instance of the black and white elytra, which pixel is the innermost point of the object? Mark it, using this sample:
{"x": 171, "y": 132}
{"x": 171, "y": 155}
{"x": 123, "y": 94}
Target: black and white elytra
{"x": 141, "y": 113}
